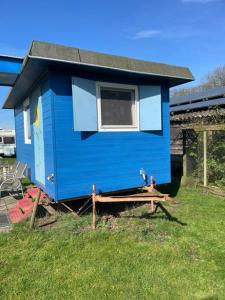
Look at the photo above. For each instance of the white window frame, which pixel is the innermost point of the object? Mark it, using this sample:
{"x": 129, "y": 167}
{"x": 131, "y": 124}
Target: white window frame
{"x": 26, "y": 104}
{"x": 136, "y": 125}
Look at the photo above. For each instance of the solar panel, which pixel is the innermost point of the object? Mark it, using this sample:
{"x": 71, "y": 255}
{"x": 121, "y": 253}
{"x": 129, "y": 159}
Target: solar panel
{"x": 212, "y": 102}
{"x": 199, "y": 96}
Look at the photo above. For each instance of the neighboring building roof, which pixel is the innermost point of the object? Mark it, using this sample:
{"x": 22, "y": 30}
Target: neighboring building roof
{"x": 19, "y": 58}
{"x": 211, "y": 97}
{"x": 7, "y": 131}
{"x": 197, "y": 115}
{"x": 42, "y": 54}
{"x": 198, "y": 105}
{"x": 9, "y": 69}
{"x": 198, "y": 109}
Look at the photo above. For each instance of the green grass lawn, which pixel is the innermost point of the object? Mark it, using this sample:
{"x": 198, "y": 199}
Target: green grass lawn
{"x": 128, "y": 257}
{"x": 9, "y": 160}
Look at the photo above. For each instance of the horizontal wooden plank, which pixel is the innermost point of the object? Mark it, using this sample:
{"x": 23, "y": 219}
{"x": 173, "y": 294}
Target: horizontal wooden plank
{"x": 204, "y": 127}
{"x": 129, "y": 199}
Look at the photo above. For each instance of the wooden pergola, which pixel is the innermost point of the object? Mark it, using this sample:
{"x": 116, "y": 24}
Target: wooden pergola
{"x": 199, "y": 120}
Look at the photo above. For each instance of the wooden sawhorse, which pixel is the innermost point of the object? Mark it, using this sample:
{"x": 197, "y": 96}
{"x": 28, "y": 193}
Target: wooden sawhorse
{"x": 150, "y": 195}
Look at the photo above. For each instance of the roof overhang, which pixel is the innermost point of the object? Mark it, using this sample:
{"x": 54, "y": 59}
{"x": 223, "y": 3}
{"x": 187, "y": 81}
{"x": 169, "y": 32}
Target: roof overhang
{"x": 42, "y": 55}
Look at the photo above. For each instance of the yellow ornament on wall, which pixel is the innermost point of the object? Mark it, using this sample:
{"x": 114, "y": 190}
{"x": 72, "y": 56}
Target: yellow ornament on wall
{"x": 37, "y": 117}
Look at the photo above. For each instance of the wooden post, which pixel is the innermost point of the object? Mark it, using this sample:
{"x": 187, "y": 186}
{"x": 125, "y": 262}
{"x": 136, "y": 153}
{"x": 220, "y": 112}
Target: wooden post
{"x": 151, "y": 182}
{"x": 184, "y": 176}
{"x": 35, "y": 209}
{"x": 70, "y": 209}
{"x": 93, "y": 207}
{"x": 152, "y": 207}
{"x": 205, "y": 183}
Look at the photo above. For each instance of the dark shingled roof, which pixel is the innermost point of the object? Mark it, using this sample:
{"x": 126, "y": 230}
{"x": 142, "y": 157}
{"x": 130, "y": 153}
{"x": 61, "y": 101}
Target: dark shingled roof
{"x": 75, "y": 55}
{"x": 42, "y": 54}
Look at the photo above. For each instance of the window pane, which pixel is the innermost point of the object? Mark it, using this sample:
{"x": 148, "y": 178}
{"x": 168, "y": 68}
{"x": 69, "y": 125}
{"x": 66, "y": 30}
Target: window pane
{"x": 9, "y": 140}
{"x": 117, "y": 106}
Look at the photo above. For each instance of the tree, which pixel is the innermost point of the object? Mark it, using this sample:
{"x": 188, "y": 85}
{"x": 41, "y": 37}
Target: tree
{"x": 213, "y": 79}
{"x": 216, "y": 78}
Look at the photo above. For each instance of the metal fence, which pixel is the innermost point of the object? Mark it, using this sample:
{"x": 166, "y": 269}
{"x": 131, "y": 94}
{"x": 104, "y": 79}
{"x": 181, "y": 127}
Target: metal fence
{"x": 204, "y": 157}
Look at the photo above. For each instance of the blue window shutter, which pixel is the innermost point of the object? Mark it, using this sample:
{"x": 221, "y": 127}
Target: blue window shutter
{"x": 84, "y": 104}
{"x": 150, "y": 108}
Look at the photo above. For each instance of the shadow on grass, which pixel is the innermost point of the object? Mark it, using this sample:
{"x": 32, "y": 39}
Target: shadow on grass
{"x": 84, "y": 206}
{"x": 166, "y": 215}
{"x": 171, "y": 189}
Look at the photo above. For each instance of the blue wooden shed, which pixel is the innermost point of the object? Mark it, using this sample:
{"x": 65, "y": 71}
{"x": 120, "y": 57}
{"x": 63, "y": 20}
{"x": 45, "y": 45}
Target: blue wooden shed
{"x": 83, "y": 117}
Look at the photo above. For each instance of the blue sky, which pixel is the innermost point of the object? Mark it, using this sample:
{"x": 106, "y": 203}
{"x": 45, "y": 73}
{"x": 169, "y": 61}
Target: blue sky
{"x": 182, "y": 32}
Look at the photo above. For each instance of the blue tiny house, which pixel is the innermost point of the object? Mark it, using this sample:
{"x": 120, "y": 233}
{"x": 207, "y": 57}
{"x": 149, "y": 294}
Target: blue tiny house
{"x": 83, "y": 117}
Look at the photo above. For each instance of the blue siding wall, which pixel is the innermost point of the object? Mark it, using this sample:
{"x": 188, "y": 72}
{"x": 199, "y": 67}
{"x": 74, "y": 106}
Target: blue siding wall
{"x": 25, "y": 152}
{"x": 111, "y": 160}
{"x": 47, "y": 108}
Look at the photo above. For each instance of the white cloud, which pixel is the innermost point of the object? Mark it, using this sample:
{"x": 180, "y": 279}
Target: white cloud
{"x": 145, "y": 34}
{"x": 199, "y": 1}
{"x": 182, "y": 32}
